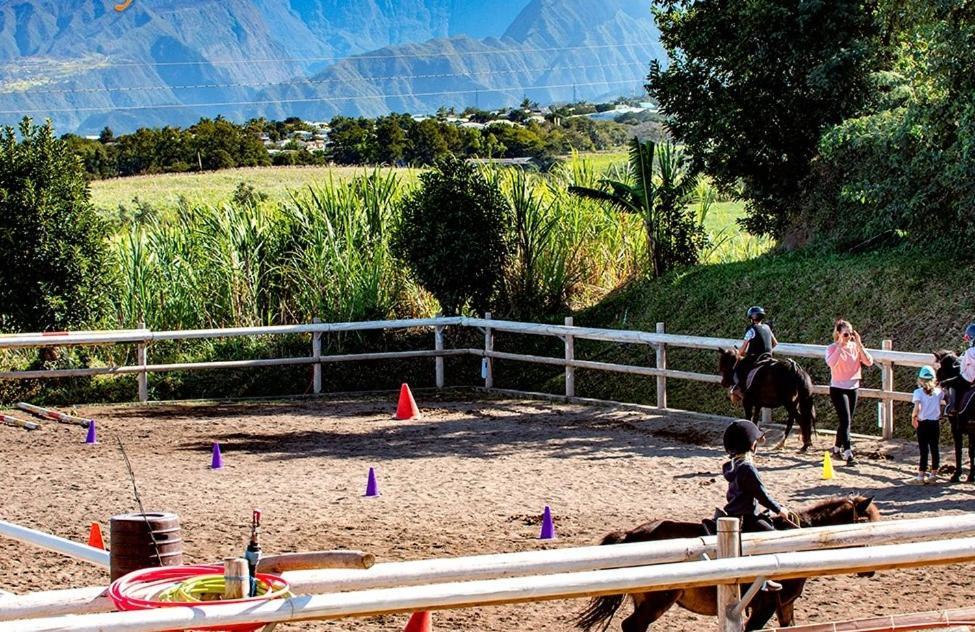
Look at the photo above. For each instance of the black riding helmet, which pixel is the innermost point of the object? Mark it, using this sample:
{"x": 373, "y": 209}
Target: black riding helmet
{"x": 740, "y": 435}
{"x": 756, "y": 312}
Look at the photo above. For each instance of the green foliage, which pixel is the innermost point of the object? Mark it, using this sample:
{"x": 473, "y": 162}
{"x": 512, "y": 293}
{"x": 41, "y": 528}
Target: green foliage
{"x": 660, "y": 198}
{"x": 751, "y": 86}
{"x": 54, "y": 265}
{"x": 453, "y": 235}
{"x": 324, "y": 253}
{"x": 908, "y": 167}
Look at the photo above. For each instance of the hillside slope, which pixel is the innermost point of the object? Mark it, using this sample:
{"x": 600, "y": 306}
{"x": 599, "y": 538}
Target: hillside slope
{"x": 887, "y": 295}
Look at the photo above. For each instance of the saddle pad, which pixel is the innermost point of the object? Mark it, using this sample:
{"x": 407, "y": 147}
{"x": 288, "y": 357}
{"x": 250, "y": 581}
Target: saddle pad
{"x": 751, "y": 376}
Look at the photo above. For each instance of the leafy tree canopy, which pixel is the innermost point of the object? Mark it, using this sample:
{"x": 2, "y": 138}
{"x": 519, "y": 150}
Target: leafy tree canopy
{"x": 752, "y": 86}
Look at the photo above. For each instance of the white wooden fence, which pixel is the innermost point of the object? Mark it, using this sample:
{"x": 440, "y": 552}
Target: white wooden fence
{"x": 528, "y": 576}
{"x": 659, "y": 340}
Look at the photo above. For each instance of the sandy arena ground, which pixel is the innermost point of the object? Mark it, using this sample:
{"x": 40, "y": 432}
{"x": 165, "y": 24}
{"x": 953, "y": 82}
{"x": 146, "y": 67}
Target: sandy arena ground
{"x": 470, "y": 477}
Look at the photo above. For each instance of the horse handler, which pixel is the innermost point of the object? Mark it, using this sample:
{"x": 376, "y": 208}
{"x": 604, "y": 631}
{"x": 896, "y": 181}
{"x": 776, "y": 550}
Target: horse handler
{"x": 845, "y": 357}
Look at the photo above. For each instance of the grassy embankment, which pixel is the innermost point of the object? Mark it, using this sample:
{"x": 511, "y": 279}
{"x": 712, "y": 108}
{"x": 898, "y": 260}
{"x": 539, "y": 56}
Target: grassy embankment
{"x": 887, "y": 295}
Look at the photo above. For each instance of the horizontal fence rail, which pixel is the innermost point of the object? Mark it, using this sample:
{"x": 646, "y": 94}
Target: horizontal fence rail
{"x": 543, "y": 562}
{"x": 435, "y": 596}
{"x": 886, "y": 358}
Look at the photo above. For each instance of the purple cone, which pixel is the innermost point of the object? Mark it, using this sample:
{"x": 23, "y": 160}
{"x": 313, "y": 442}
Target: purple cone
{"x": 92, "y": 437}
{"x": 548, "y": 527}
{"x": 216, "y": 461}
{"x": 372, "y": 487}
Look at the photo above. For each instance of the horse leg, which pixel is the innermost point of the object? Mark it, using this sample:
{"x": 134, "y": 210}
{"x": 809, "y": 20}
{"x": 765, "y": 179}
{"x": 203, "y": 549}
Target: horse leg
{"x": 792, "y": 409}
{"x": 786, "y": 614}
{"x": 647, "y": 608}
{"x": 971, "y": 457}
{"x": 763, "y": 606}
{"x": 958, "y": 439}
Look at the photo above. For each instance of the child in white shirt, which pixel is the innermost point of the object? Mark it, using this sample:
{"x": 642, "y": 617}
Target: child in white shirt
{"x": 928, "y": 399}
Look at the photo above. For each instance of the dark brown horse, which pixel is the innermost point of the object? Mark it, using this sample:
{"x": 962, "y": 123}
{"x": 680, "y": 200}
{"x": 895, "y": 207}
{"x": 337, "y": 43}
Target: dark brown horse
{"x": 779, "y": 383}
{"x": 650, "y": 606}
{"x": 948, "y": 372}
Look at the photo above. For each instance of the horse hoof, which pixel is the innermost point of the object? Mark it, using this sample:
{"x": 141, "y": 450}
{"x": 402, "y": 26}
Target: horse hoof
{"x": 956, "y": 478}
{"x": 804, "y": 449}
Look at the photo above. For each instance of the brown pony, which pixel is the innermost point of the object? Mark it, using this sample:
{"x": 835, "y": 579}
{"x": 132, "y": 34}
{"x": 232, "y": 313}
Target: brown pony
{"x": 650, "y": 606}
{"x": 780, "y": 383}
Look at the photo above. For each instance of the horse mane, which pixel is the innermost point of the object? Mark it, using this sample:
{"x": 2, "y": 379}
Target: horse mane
{"x": 828, "y": 511}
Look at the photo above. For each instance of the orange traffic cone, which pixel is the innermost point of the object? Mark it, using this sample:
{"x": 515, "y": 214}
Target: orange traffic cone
{"x": 419, "y": 622}
{"x": 406, "y": 409}
{"x": 95, "y": 536}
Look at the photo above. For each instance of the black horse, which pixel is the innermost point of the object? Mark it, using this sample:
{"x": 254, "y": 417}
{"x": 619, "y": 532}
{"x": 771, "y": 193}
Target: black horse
{"x": 949, "y": 376}
{"x": 650, "y": 606}
{"x": 778, "y": 383}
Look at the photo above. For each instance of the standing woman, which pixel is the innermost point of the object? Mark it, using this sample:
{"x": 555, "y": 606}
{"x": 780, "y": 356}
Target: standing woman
{"x": 845, "y": 357}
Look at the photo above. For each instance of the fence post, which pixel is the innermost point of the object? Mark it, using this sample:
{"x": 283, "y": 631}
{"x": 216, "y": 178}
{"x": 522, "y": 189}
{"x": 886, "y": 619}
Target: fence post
{"x": 141, "y": 356}
{"x": 438, "y": 361}
{"x": 488, "y": 363}
{"x": 729, "y": 545}
{"x": 316, "y": 352}
{"x": 887, "y": 386}
{"x": 570, "y": 355}
{"x": 661, "y": 364}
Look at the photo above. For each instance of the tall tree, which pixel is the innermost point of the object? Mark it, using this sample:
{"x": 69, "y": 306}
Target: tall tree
{"x": 453, "y": 235}
{"x": 752, "y": 86}
{"x": 55, "y": 265}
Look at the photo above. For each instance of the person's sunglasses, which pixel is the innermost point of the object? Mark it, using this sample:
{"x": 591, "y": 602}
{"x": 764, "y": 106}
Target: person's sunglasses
{"x": 846, "y": 334}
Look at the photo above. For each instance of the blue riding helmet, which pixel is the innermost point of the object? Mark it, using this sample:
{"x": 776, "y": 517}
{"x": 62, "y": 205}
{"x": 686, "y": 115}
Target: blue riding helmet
{"x": 758, "y": 312}
{"x": 970, "y": 334}
{"x": 926, "y": 373}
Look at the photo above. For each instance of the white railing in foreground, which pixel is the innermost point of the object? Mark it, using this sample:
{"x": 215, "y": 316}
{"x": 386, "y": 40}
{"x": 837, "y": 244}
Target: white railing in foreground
{"x": 885, "y": 357}
{"x": 520, "y": 589}
{"x": 575, "y": 559}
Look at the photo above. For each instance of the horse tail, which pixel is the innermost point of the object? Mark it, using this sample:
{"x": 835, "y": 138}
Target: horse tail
{"x": 601, "y": 609}
{"x": 807, "y": 409}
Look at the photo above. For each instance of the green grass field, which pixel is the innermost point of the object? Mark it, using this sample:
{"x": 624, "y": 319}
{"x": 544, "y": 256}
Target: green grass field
{"x": 164, "y": 190}
{"x": 213, "y": 188}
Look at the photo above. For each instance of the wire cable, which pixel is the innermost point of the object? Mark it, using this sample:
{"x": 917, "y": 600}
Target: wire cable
{"x": 164, "y": 106}
{"x": 302, "y": 82}
{"x": 401, "y": 55}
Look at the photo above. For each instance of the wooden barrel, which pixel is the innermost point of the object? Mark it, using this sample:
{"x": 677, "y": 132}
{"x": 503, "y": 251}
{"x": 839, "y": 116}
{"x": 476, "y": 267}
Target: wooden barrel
{"x": 132, "y": 546}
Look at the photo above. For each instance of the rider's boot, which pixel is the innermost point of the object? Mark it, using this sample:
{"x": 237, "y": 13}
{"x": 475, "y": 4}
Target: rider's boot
{"x": 771, "y": 585}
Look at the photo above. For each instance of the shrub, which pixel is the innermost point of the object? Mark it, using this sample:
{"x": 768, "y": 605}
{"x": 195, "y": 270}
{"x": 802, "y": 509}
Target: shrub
{"x": 54, "y": 274}
{"x": 453, "y": 235}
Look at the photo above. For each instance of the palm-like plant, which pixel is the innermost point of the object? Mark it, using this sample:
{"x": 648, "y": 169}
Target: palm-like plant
{"x": 657, "y": 196}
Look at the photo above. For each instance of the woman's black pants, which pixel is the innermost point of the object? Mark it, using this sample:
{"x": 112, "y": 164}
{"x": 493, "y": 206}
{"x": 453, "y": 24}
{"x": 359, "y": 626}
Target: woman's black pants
{"x": 845, "y": 402}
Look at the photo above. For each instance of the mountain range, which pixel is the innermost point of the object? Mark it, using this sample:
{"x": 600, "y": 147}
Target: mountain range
{"x": 161, "y": 62}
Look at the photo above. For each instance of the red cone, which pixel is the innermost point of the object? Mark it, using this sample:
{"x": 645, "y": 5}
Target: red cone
{"x": 419, "y": 622}
{"x": 95, "y": 536}
{"x": 407, "y": 405}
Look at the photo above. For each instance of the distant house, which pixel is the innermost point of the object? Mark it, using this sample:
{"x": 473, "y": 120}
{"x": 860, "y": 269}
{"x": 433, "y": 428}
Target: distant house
{"x": 472, "y": 125}
{"x": 525, "y": 161}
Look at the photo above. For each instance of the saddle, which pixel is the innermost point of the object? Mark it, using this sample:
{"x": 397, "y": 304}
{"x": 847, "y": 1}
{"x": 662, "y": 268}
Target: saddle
{"x": 963, "y": 407}
{"x": 761, "y": 362}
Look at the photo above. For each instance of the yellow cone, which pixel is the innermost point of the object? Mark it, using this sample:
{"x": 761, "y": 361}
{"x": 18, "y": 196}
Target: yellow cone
{"x": 827, "y": 467}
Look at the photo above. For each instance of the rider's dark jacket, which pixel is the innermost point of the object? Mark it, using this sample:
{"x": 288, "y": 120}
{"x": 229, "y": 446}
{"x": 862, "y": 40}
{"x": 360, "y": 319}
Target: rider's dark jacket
{"x": 745, "y": 489}
{"x": 761, "y": 342}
